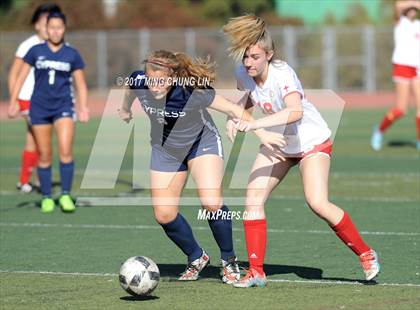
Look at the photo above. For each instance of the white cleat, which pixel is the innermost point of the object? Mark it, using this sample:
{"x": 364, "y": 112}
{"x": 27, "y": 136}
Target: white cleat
{"x": 251, "y": 279}
{"x": 194, "y": 268}
{"x": 230, "y": 271}
{"x": 376, "y": 139}
{"x": 24, "y": 188}
{"x": 370, "y": 264}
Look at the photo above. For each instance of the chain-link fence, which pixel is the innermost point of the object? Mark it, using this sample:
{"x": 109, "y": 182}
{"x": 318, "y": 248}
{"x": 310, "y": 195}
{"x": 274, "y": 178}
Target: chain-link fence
{"x": 350, "y": 58}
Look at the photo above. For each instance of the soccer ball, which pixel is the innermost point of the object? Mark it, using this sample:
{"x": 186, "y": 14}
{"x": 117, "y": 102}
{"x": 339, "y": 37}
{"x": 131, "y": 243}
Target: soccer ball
{"x": 139, "y": 275}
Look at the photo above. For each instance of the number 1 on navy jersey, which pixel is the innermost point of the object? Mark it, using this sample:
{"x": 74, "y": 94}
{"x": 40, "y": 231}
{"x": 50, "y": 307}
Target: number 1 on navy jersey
{"x": 51, "y": 74}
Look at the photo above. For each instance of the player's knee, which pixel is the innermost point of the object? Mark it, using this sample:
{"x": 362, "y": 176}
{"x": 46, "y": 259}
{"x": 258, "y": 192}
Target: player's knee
{"x": 164, "y": 218}
{"x": 254, "y": 198}
{"x": 212, "y": 207}
{"x": 211, "y": 204}
{"x": 66, "y": 159}
{"x": 318, "y": 205}
{"x": 44, "y": 159}
{"x": 65, "y": 156}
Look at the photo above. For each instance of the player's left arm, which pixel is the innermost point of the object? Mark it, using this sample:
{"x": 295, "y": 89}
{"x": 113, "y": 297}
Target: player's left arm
{"x": 82, "y": 95}
{"x": 240, "y": 114}
{"x": 232, "y": 110}
{"x": 292, "y": 113}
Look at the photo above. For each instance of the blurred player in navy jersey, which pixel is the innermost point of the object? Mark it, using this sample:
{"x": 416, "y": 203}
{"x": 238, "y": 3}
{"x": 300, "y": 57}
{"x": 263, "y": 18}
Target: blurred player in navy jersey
{"x": 56, "y": 64}
{"x": 184, "y": 138}
{"x": 30, "y": 154}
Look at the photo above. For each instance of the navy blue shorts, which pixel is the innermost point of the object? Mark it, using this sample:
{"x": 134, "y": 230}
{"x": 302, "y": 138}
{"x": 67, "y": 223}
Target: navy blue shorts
{"x": 38, "y": 116}
{"x": 169, "y": 160}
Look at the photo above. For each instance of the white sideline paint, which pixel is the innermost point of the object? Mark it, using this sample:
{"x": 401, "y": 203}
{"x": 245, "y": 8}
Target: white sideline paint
{"x": 127, "y": 199}
{"x": 381, "y": 175}
{"x": 132, "y": 200}
{"x": 234, "y": 201}
{"x": 90, "y": 274}
{"x": 151, "y": 227}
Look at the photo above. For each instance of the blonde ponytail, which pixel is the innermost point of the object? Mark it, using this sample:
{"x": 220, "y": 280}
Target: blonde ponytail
{"x": 245, "y": 31}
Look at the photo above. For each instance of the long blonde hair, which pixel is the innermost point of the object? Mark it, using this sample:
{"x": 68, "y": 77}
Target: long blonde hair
{"x": 181, "y": 65}
{"x": 245, "y": 31}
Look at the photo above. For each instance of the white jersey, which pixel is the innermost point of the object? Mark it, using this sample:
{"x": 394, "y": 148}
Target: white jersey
{"x": 407, "y": 43}
{"x": 28, "y": 85}
{"x": 301, "y": 135}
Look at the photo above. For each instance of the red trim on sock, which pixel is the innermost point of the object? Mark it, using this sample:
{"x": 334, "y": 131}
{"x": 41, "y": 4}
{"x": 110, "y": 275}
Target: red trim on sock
{"x": 392, "y": 115}
{"x": 28, "y": 162}
{"x": 256, "y": 240}
{"x": 350, "y": 236}
{"x": 418, "y": 127}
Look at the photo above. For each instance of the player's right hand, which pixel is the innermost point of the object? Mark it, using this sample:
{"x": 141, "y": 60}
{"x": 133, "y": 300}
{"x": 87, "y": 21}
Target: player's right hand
{"x": 272, "y": 139}
{"x": 231, "y": 130}
{"x": 13, "y": 110}
{"x": 125, "y": 115}
{"x": 83, "y": 115}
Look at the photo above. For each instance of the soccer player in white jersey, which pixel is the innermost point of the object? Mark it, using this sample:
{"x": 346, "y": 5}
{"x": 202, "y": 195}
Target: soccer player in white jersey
{"x": 275, "y": 89}
{"x": 30, "y": 154}
{"x": 405, "y": 69}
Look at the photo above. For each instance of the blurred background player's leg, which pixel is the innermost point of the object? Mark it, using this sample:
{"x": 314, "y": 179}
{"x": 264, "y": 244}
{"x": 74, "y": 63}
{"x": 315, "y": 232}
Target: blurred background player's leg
{"x": 29, "y": 161}
{"x": 405, "y": 63}
{"x": 415, "y": 85}
{"x": 402, "y": 92}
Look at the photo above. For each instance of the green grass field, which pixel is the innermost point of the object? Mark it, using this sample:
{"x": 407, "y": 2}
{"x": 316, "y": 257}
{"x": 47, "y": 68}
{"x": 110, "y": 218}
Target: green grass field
{"x": 71, "y": 261}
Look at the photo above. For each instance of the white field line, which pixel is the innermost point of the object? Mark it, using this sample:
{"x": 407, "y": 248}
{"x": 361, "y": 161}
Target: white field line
{"x": 332, "y": 173}
{"x": 14, "y": 169}
{"x": 235, "y": 201}
{"x": 152, "y": 227}
{"x": 131, "y": 200}
{"x": 90, "y": 274}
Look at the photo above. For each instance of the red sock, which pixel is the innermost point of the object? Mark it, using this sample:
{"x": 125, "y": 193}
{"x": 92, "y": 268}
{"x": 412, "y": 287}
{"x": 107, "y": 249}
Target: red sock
{"x": 256, "y": 239}
{"x": 392, "y": 115}
{"x": 34, "y": 161}
{"x": 347, "y": 232}
{"x": 29, "y": 161}
{"x": 418, "y": 127}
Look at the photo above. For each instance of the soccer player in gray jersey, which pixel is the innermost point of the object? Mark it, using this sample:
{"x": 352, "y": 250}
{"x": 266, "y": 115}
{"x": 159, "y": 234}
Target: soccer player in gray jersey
{"x": 184, "y": 138}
